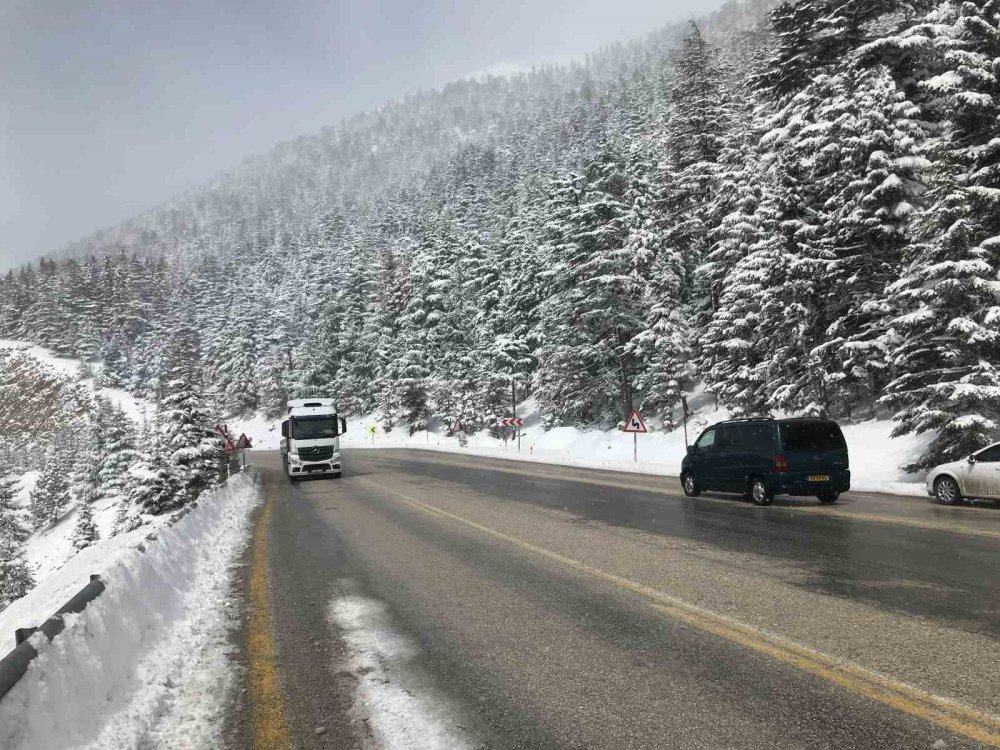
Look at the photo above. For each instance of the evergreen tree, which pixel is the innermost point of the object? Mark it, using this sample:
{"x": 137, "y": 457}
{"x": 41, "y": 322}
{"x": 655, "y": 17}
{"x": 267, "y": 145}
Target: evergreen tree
{"x": 51, "y": 494}
{"x": 587, "y": 365}
{"x": 945, "y": 338}
{"x": 15, "y": 573}
{"x": 85, "y": 533}
{"x": 12, "y": 525}
{"x": 188, "y": 441}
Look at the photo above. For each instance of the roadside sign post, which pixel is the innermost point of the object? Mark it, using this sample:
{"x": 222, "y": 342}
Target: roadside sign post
{"x": 228, "y": 449}
{"x": 243, "y": 444}
{"x": 684, "y": 403}
{"x": 371, "y": 431}
{"x": 635, "y": 425}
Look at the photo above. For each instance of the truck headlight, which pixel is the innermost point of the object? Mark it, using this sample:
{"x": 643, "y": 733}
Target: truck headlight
{"x": 335, "y": 458}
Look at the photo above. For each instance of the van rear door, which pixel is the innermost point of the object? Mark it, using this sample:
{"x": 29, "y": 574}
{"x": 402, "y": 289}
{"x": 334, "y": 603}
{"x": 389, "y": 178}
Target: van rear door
{"x": 813, "y": 446}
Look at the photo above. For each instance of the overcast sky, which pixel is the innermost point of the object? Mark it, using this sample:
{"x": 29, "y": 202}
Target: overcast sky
{"x": 110, "y": 107}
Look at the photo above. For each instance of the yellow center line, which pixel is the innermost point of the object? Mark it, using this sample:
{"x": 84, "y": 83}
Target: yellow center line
{"x": 818, "y": 511}
{"x": 269, "y": 732}
{"x": 946, "y": 713}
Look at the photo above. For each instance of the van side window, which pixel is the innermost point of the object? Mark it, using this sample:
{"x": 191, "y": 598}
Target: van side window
{"x": 758, "y": 439}
{"x": 707, "y": 439}
{"x": 729, "y": 438}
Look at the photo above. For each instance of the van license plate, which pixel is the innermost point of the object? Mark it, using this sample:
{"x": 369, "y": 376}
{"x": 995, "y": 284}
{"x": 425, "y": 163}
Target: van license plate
{"x": 818, "y": 477}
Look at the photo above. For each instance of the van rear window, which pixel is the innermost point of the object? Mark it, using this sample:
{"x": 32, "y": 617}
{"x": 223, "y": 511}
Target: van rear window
{"x": 811, "y": 436}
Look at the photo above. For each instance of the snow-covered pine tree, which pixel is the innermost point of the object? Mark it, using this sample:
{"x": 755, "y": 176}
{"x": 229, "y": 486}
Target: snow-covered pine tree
{"x": 12, "y": 524}
{"x": 16, "y": 578}
{"x": 459, "y": 362}
{"x": 946, "y": 323}
{"x": 190, "y": 446}
{"x": 51, "y": 494}
{"x": 694, "y": 138}
{"x": 15, "y": 573}
{"x": 117, "y": 446}
{"x": 235, "y": 353}
{"x": 586, "y": 365}
{"x": 85, "y": 532}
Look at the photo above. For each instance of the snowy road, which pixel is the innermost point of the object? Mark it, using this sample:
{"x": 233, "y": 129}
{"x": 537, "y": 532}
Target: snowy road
{"x": 429, "y": 600}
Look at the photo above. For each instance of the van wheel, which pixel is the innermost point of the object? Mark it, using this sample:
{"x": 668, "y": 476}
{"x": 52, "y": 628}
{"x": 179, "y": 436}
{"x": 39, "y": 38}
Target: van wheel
{"x": 946, "y": 491}
{"x": 690, "y": 485}
{"x": 759, "y": 492}
{"x": 828, "y": 497}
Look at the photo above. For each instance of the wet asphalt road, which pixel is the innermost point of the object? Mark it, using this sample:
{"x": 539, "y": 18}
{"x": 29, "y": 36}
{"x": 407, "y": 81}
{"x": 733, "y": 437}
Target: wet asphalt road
{"x": 467, "y": 556}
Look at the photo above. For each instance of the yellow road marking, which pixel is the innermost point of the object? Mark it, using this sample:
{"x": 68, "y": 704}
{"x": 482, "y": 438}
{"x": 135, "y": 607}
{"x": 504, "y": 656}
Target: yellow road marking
{"x": 269, "y": 731}
{"x": 818, "y": 511}
{"x": 949, "y": 714}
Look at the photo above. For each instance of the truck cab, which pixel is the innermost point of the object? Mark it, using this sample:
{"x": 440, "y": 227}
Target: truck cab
{"x": 310, "y": 438}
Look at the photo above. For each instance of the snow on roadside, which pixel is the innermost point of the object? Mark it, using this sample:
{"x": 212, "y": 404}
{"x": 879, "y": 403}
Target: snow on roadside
{"x": 875, "y": 456}
{"x": 147, "y": 664}
{"x": 402, "y": 708}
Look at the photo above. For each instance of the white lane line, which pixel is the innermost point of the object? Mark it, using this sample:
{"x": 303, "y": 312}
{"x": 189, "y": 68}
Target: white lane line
{"x": 403, "y": 708}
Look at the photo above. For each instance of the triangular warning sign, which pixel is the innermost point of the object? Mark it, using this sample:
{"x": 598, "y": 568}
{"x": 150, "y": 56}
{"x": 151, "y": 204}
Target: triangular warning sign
{"x": 634, "y": 423}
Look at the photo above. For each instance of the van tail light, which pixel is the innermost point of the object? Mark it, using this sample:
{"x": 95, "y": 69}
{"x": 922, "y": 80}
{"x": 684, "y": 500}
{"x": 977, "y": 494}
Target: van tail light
{"x": 780, "y": 463}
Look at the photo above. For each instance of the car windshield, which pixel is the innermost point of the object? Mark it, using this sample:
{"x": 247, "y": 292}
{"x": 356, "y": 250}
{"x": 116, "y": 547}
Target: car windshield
{"x": 314, "y": 428}
{"x": 811, "y": 436}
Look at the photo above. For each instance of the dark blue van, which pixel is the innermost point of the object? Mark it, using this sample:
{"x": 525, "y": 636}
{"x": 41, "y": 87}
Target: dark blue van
{"x": 761, "y": 458}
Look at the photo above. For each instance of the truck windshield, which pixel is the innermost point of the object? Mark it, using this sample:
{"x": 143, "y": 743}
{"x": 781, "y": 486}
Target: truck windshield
{"x": 811, "y": 436}
{"x": 314, "y": 428}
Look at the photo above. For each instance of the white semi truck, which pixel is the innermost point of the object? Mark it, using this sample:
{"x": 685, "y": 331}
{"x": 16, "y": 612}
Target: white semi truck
{"x": 310, "y": 438}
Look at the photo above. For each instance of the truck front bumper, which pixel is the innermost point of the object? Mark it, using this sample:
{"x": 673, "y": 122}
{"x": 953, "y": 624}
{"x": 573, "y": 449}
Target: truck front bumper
{"x": 297, "y": 468}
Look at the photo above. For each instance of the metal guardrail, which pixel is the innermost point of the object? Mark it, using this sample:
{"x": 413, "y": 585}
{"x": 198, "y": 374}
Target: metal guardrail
{"x": 15, "y": 663}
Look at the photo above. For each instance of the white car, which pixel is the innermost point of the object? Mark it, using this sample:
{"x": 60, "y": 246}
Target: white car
{"x": 975, "y": 476}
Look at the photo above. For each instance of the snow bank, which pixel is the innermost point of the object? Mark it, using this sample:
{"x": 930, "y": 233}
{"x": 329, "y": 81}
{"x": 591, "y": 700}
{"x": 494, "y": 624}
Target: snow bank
{"x": 875, "y": 456}
{"x": 402, "y": 708}
{"x": 147, "y": 663}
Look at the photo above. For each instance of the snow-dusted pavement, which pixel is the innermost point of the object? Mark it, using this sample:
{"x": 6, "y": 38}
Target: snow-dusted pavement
{"x": 478, "y": 603}
{"x": 148, "y": 664}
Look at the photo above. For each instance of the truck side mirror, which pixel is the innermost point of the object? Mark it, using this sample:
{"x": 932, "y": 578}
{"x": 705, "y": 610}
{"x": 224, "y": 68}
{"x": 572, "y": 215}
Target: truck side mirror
{"x": 284, "y": 429}
{"x": 343, "y": 425}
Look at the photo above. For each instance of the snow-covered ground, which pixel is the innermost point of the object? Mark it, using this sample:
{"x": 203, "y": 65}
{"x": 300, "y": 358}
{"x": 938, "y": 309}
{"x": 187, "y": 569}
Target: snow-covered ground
{"x": 147, "y": 664}
{"x": 875, "y": 456}
{"x": 397, "y": 700}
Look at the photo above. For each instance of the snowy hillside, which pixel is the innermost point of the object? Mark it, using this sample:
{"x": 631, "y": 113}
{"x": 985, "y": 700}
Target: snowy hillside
{"x": 77, "y": 478}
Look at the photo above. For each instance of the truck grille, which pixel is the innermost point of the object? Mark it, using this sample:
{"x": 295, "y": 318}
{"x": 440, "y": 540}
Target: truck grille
{"x": 317, "y": 453}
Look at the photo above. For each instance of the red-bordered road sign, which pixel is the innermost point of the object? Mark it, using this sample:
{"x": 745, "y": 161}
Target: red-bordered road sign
{"x": 511, "y": 421}
{"x": 244, "y": 441}
{"x": 227, "y": 442}
{"x": 634, "y": 423}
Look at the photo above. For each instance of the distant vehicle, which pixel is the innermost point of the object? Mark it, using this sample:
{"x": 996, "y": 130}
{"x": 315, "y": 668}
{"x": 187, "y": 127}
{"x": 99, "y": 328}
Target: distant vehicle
{"x": 761, "y": 458}
{"x": 975, "y": 476}
{"x": 310, "y": 438}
